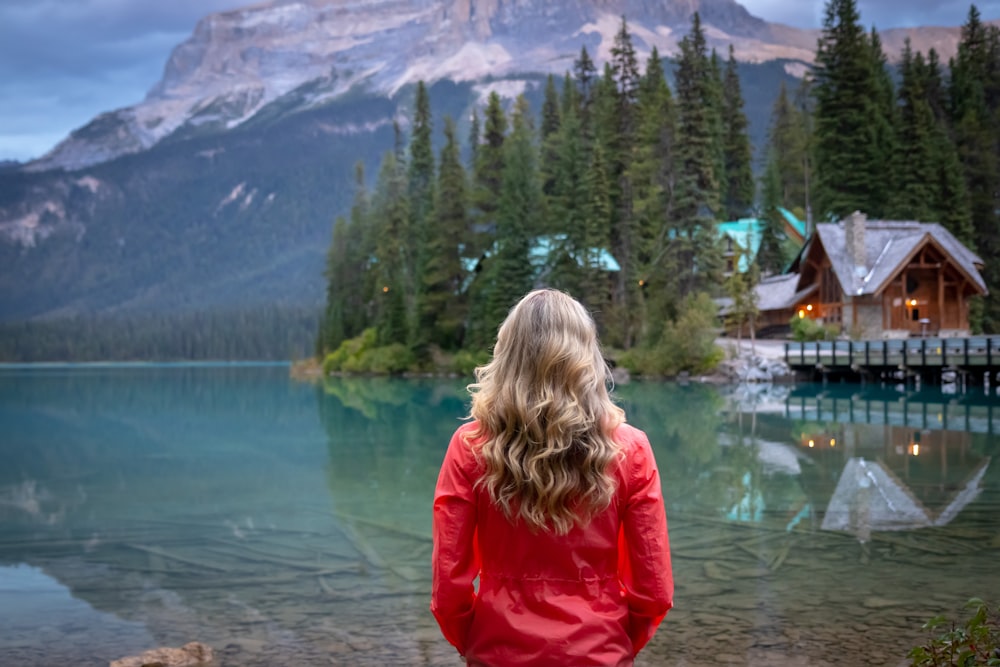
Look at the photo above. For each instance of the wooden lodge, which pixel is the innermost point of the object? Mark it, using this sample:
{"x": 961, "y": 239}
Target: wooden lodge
{"x": 875, "y": 279}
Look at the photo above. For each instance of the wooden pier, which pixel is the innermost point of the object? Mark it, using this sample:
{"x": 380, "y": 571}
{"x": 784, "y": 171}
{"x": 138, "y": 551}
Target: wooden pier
{"x": 969, "y": 361}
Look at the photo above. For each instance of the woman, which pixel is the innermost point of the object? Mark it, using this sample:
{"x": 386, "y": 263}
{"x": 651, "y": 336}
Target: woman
{"x": 553, "y": 502}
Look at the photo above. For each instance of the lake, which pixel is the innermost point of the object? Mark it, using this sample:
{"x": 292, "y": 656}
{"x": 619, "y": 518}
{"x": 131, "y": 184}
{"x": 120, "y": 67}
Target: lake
{"x": 284, "y": 523}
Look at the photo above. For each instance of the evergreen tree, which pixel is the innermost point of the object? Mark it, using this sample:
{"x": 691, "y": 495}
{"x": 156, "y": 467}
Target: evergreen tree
{"x": 693, "y": 259}
{"x": 518, "y": 221}
{"x": 360, "y": 249}
{"x": 474, "y": 139}
{"x": 652, "y": 177}
{"x": 420, "y": 195}
{"x": 442, "y": 309}
{"x": 619, "y": 142}
{"x": 595, "y": 238}
{"x": 488, "y": 174}
{"x": 770, "y": 255}
{"x": 585, "y": 75}
{"x": 549, "y": 161}
{"x": 916, "y": 158}
{"x": 848, "y": 156}
{"x": 974, "y": 101}
{"x": 568, "y": 200}
{"x": 332, "y": 326}
{"x": 883, "y": 125}
{"x": 738, "y": 156}
{"x": 788, "y": 147}
{"x": 421, "y": 164}
{"x": 390, "y": 219}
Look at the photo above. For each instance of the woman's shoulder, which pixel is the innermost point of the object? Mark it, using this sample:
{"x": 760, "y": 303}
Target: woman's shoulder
{"x": 629, "y": 437}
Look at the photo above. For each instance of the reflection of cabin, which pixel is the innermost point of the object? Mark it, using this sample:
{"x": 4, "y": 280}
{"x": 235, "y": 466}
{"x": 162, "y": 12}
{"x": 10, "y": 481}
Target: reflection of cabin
{"x": 874, "y": 278}
{"x": 741, "y": 238}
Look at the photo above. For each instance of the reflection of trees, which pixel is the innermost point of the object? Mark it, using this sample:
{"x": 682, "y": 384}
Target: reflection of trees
{"x": 386, "y": 438}
{"x": 683, "y": 425}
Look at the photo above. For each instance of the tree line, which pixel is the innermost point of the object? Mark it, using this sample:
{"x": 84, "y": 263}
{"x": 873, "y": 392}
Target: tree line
{"x": 275, "y": 333}
{"x": 619, "y": 164}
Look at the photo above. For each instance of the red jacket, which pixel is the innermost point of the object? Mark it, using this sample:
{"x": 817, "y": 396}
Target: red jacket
{"x": 592, "y": 597}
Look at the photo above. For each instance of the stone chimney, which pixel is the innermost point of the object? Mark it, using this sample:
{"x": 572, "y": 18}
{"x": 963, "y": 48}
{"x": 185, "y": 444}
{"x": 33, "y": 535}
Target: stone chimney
{"x": 854, "y": 239}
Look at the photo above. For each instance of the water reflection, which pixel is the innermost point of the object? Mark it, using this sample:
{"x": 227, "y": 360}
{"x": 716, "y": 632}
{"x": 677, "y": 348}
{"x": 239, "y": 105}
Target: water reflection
{"x": 283, "y": 523}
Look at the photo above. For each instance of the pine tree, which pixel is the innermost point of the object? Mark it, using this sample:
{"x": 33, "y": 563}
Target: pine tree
{"x": 332, "y": 326}
{"x": 360, "y": 249}
{"x": 421, "y": 164}
{"x": 738, "y": 197}
{"x": 474, "y": 139}
{"x": 489, "y": 174}
{"x": 485, "y": 196}
{"x": 594, "y": 238}
{"x": 974, "y": 99}
{"x": 420, "y": 194}
{"x": 883, "y": 125}
{"x": 770, "y": 255}
{"x": 549, "y": 161}
{"x": 915, "y": 153}
{"x": 847, "y": 97}
{"x": 788, "y": 147}
{"x": 619, "y": 142}
{"x": 652, "y": 177}
{"x": 693, "y": 258}
{"x": 443, "y": 306}
{"x": 566, "y": 203}
{"x": 390, "y": 219}
{"x": 585, "y": 75}
{"x": 517, "y": 219}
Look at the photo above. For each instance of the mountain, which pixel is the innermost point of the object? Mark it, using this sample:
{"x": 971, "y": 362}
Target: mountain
{"x": 219, "y": 189}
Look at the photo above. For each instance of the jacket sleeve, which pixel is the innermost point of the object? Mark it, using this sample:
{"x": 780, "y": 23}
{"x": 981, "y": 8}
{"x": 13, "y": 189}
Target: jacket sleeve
{"x": 455, "y": 559}
{"x": 644, "y": 549}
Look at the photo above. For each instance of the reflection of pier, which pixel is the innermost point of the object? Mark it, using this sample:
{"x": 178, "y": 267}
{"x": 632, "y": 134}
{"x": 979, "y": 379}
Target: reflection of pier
{"x": 974, "y": 413}
{"x": 974, "y": 357}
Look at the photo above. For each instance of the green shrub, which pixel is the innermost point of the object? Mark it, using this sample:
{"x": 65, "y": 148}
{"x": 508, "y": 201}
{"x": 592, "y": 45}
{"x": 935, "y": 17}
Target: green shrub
{"x": 687, "y": 344}
{"x": 465, "y": 361}
{"x": 394, "y": 358}
{"x": 347, "y": 354}
{"x": 975, "y": 643}
{"x": 806, "y": 329}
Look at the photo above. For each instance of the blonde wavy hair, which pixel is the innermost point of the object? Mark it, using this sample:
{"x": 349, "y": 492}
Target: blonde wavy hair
{"x": 544, "y": 416}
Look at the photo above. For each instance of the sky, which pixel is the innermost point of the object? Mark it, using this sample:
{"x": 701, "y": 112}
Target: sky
{"x": 62, "y": 62}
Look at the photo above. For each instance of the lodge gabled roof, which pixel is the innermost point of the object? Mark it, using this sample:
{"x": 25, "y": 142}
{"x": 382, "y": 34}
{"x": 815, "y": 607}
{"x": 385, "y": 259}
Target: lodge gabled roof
{"x": 888, "y": 246}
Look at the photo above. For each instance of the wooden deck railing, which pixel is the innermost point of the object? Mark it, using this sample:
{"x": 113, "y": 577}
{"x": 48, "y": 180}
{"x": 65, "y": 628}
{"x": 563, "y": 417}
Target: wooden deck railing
{"x": 971, "y": 352}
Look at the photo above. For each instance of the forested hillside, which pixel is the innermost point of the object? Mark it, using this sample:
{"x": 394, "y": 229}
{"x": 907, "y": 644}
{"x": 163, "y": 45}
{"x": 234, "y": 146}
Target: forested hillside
{"x": 618, "y": 163}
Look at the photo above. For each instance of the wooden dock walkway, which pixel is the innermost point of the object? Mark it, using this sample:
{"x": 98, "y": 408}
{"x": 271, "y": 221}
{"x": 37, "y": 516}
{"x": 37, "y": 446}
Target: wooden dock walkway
{"x": 972, "y": 359}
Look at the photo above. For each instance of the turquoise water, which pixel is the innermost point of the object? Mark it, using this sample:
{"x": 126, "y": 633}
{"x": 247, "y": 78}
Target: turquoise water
{"x": 283, "y": 523}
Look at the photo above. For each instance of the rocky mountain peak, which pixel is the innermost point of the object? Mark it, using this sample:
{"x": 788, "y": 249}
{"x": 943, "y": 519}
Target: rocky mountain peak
{"x": 302, "y": 53}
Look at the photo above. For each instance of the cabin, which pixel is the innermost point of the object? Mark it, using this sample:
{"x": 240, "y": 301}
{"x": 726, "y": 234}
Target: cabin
{"x": 741, "y": 238}
{"x": 878, "y": 279}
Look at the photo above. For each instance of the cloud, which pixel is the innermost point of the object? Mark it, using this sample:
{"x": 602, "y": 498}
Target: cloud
{"x": 894, "y": 14}
{"x": 62, "y": 62}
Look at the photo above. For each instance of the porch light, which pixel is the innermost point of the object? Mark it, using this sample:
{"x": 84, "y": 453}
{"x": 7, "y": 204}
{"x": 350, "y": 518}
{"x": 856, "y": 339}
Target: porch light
{"x": 385, "y": 289}
{"x": 809, "y": 307}
{"x": 833, "y": 442}
{"x": 802, "y": 313}
{"x": 915, "y": 449}
{"x": 812, "y": 443}
{"x": 912, "y": 303}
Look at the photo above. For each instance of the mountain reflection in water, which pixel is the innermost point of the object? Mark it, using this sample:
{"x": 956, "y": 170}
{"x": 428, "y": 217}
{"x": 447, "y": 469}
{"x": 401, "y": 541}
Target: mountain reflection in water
{"x": 284, "y": 523}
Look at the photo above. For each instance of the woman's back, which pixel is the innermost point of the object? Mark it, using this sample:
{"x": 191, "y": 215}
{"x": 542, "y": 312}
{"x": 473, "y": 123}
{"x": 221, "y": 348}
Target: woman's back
{"x": 551, "y": 599}
{"x": 552, "y": 502}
